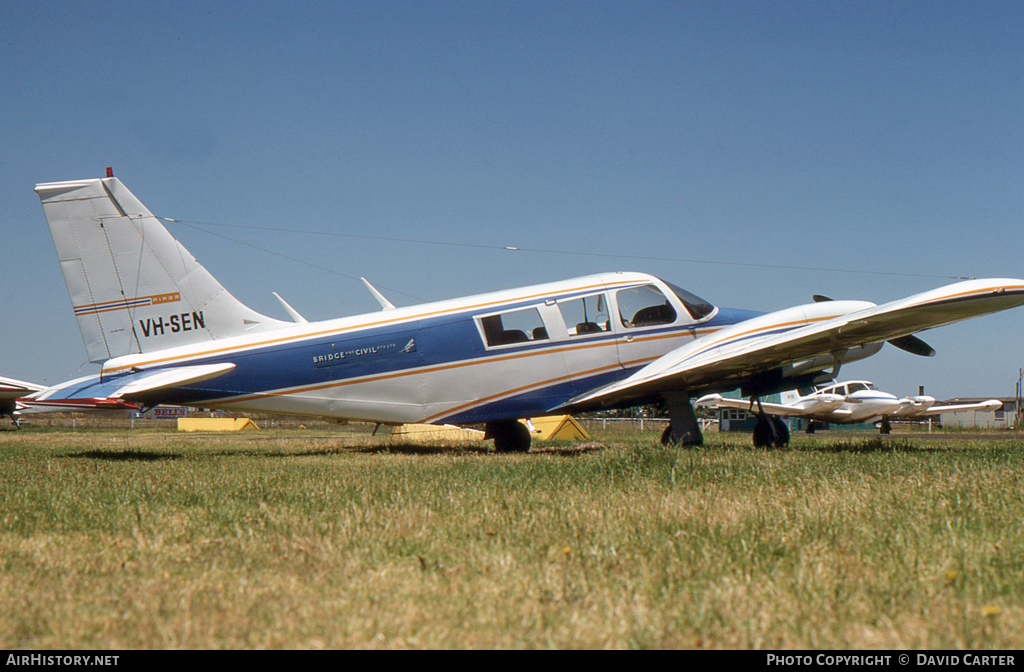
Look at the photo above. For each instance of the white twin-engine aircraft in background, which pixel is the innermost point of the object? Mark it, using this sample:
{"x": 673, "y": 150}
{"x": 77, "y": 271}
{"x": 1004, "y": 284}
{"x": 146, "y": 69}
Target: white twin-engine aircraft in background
{"x": 167, "y": 332}
{"x": 847, "y": 402}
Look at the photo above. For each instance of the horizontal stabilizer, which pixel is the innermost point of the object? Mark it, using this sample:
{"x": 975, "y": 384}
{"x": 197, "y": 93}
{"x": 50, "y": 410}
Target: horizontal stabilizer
{"x": 81, "y": 394}
{"x": 148, "y": 382}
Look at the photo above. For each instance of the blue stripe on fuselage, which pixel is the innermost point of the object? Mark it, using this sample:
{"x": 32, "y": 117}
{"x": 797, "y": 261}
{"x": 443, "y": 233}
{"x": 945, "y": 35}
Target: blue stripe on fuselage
{"x": 392, "y": 349}
{"x": 535, "y": 403}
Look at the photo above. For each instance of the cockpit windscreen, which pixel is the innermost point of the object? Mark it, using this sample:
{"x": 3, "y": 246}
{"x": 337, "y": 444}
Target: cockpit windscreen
{"x": 696, "y": 306}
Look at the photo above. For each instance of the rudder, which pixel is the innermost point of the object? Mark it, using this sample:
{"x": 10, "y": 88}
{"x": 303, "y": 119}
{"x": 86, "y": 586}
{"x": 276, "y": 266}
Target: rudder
{"x": 134, "y": 288}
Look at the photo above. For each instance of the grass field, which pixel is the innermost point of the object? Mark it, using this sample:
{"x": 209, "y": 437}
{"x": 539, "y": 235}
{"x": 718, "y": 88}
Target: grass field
{"x": 310, "y": 539}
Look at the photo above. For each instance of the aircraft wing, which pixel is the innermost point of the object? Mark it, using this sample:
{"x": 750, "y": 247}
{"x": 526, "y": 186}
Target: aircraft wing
{"x": 717, "y": 401}
{"x": 741, "y": 354}
{"x": 990, "y": 405}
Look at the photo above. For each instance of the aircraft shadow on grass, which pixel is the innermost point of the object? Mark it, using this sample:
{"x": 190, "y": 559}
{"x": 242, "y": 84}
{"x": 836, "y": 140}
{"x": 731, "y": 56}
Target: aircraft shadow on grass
{"x": 125, "y": 455}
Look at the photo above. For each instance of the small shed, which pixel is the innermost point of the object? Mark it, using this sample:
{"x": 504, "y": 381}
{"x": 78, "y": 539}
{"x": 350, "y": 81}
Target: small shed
{"x": 558, "y": 427}
{"x": 215, "y": 424}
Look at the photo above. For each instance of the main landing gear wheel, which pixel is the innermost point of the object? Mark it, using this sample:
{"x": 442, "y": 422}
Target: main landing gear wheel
{"x": 510, "y": 436}
{"x": 666, "y": 437}
{"x": 770, "y": 432}
{"x": 884, "y": 427}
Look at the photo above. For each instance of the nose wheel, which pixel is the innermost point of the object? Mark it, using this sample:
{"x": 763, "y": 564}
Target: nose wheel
{"x": 510, "y": 436}
{"x": 770, "y": 432}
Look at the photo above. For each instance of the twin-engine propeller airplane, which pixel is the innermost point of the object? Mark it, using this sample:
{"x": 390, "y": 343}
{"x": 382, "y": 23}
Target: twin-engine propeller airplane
{"x": 168, "y": 333}
{"x": 847, "y": 402}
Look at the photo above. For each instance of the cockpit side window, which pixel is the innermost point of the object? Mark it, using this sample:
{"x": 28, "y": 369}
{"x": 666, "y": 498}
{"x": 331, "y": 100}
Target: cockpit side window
{"x": 588, "y": 315}
{"x": 644, "y": 306}
{"x": 696, "y": 306}
{"x": 514, "y": 326}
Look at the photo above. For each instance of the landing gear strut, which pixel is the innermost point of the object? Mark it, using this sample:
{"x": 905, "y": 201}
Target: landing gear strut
{"x": 683, "y": 428}
{"x": 769, "y": 432}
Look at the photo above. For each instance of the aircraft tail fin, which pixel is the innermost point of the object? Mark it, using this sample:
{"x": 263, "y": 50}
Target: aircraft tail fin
{"x": 790, "y": 396}
{"x": 134, "y": 288}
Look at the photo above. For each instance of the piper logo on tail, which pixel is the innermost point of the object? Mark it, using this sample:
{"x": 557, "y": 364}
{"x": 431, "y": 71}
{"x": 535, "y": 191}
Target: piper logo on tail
{"x": 126, "y": 303}
{"x": 166, "y": 298}
{"x": 173, "y": 324}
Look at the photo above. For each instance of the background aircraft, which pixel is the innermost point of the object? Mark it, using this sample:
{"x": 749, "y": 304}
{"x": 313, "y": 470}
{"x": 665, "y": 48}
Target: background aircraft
{"x": 848, "y": 402}
{"x": 167, "y": 332}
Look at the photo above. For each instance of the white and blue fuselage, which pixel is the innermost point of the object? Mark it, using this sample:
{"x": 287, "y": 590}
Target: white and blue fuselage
{"x": 508, "y": 354}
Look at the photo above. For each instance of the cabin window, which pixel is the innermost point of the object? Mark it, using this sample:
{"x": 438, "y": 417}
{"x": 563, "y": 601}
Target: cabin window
{"x": 588, "y": 315}
{"x": 514, "y": 326}
{"x": 644, "y": 306}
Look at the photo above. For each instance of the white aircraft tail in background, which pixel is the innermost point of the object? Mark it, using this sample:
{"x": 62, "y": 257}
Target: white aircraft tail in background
{"x": 133, "y": 287}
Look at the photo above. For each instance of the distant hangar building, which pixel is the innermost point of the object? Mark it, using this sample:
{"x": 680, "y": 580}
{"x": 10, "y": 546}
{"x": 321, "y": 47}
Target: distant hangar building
{"x": 1001, "y": 418}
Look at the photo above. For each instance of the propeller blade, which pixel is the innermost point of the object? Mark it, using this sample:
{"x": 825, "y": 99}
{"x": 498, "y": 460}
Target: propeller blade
{"x": 913, "y": 345}
{"x": 910, "y": 343}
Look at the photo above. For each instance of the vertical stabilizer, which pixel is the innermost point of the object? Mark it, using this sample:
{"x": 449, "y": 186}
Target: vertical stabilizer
{"x": 134, "y": 288}
{"x": 789, "y": 397}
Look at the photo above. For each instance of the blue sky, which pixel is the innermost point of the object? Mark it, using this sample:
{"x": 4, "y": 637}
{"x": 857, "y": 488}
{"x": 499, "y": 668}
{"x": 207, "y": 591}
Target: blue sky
{"x": 754, "y": 153}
